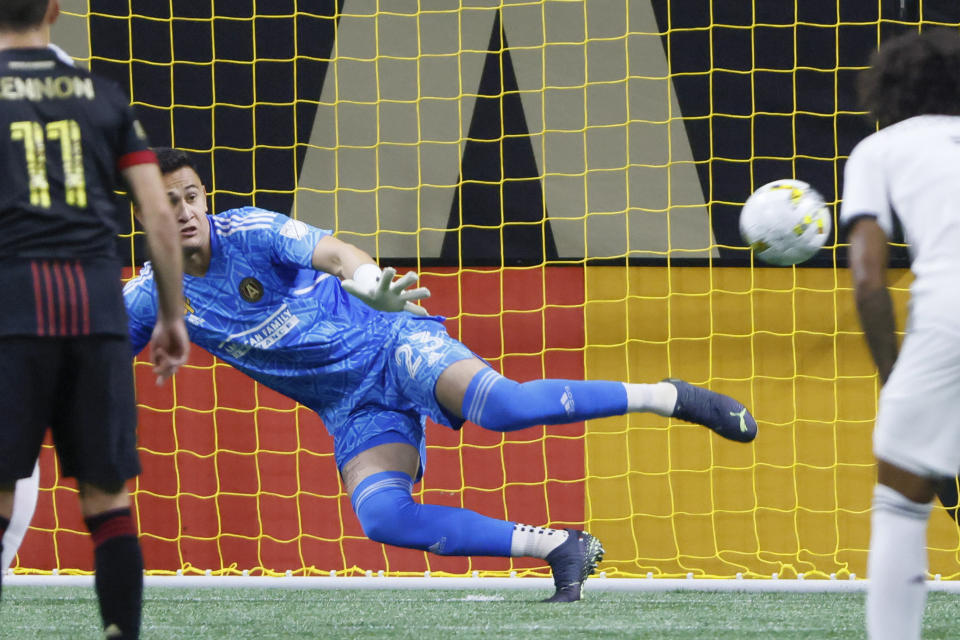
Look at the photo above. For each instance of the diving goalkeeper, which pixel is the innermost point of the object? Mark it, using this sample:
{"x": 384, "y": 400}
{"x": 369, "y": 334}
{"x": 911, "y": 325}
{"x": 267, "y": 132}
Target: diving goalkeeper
{"x": 315, "y": 319}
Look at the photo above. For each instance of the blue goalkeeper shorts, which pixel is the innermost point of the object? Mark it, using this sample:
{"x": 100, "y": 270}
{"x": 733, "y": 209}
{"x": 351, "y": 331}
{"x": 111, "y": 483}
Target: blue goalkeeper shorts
{"x": 396, "y": 412}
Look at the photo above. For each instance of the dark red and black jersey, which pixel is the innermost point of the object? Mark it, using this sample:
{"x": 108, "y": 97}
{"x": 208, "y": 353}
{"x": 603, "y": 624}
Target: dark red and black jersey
{"x": 66, "y": 136}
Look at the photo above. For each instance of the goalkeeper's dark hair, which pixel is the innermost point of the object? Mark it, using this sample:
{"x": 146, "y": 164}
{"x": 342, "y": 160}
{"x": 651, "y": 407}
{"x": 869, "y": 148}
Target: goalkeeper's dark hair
{"x": 912, "y": 75}
{"x": 20, "y": 15}
{"x": 172, "y": 159}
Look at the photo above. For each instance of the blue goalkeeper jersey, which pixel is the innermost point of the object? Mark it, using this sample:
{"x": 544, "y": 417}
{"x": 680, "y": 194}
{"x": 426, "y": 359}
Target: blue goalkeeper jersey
{"x": 262, "y": 308}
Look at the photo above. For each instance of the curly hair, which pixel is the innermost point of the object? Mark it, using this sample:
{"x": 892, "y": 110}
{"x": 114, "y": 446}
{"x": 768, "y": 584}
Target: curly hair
{"x": 913, "y": 74}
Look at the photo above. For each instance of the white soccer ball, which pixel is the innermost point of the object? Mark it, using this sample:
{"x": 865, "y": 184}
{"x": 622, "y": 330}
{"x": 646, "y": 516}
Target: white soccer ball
{"x": 785, "y": 222}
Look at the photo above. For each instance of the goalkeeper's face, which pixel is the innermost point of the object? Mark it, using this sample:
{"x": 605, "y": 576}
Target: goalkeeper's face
{"x": 189, "y": 201}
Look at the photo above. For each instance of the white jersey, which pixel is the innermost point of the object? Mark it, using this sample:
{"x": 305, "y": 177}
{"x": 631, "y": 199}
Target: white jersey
{"x": 912, "y": 168}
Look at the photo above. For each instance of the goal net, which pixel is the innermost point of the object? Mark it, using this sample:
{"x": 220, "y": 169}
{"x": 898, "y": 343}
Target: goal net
{"x": 566, "y": 175}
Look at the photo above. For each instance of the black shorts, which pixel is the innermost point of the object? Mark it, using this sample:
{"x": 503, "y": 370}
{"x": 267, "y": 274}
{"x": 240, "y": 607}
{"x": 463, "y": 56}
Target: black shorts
{"x": 82, "y": 389}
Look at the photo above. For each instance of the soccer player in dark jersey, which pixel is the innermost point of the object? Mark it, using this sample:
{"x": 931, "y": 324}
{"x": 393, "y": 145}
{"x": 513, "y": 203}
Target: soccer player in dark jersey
{"x": 65, "y": 362}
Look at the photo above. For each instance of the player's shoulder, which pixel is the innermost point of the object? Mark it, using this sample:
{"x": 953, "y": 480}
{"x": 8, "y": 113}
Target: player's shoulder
{"x": 106, "y": 97}
{"x": 908, "y": 134}
{"x": 244, "y": 220}
{"x": 870, "y": 147}
{"x": 105, "y": 89}
{"x": 52, "y": 65}
{"x": 142, "y": 283}
{"x": 140, "y": 297}
{"x": 905, "y": 139}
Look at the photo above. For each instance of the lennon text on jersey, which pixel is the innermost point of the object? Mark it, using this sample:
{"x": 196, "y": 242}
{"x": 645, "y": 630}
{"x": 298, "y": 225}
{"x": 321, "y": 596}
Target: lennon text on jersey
{"x": 50, "y": 87}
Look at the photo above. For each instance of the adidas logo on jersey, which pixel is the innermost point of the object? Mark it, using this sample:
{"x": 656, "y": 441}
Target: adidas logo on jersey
{"x": 293, "y": 229}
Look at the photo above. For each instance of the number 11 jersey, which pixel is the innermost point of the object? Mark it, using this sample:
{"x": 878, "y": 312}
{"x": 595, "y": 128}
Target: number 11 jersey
{"x": 66, "y": 136}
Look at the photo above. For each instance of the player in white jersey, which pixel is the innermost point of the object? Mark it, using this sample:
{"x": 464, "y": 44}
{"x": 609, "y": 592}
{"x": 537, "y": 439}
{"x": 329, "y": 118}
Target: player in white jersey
{"x": 911, "y": 168}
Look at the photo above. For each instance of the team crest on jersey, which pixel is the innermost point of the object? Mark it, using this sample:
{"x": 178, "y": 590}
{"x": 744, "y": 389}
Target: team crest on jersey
{"x": 251, "y": 289}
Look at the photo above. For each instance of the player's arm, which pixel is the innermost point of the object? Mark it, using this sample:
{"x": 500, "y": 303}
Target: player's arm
{"x": 169, "y": 345}
{"x": 362, "y": 277}
{"x": 869, "y": 255}
{"x": 340, "y": 258}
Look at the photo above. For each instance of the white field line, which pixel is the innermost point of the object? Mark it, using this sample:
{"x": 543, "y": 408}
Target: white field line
{"x": 594, "y": 584}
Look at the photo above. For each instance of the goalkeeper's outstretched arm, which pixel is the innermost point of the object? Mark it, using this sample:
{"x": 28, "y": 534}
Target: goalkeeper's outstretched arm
{"x": 362, "y": 277}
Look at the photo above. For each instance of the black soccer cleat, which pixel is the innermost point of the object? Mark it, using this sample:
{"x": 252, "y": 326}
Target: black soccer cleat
{"x": 713, "y": 410}
{"x": 571, "y": 563}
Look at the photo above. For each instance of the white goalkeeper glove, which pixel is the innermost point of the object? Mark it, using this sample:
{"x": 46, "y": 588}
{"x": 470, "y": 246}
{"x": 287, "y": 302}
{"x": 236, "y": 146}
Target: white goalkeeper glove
{"x": 378, "y": 289}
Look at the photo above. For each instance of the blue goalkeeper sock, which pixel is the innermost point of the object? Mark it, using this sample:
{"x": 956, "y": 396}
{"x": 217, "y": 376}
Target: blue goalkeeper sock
{"x": 500, "y": 404}
{"x": 388, "y": 514}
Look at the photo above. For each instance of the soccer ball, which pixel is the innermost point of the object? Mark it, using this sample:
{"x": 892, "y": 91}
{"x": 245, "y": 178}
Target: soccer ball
{"x": 785, "y": 222}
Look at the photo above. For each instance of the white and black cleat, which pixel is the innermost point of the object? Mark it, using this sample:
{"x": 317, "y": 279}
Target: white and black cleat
{"x": 571, "y": 563}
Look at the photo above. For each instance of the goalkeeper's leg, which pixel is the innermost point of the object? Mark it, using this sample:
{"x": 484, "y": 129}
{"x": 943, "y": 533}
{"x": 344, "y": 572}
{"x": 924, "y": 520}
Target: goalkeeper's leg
{"x": 380, "y": 480}
{"x": 472, "y": 390}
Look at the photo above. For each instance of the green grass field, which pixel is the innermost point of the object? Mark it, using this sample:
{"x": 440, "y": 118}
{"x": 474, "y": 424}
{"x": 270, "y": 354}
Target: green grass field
{"x": 71, "y": 612}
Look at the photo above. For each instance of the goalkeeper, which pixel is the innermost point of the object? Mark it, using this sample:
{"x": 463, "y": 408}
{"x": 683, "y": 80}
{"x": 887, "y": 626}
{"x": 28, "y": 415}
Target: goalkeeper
{"x": 271, "y": 296}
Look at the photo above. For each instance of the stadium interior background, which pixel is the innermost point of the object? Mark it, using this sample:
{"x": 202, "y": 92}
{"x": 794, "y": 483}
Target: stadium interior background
{"x": 567, "y": 176}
